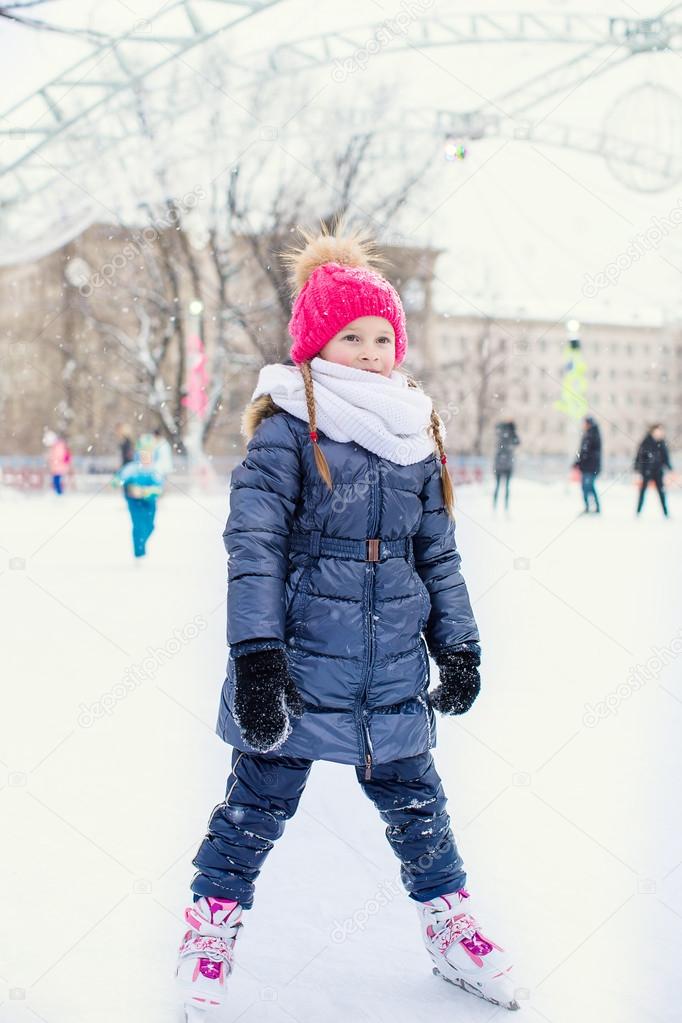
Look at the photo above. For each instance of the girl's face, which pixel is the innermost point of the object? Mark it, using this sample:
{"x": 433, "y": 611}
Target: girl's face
{"x": 366, "y": 343}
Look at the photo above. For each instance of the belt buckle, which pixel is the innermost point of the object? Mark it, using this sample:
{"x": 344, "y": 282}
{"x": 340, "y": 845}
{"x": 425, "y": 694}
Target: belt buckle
{"x": 373, "y": 549}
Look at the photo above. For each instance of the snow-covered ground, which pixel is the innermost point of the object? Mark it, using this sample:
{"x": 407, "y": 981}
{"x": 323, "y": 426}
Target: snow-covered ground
{"x": 568, "y": 821}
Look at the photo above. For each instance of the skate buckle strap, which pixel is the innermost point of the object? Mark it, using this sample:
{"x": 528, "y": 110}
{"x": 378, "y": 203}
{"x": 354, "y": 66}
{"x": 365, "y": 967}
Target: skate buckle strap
{"x": 209, "y": 945}
{"x": 455, "y": 929}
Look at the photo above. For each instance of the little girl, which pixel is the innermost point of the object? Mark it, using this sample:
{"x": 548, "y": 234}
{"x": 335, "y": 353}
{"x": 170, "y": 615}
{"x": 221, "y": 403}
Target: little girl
{"x": 342, "y": 571}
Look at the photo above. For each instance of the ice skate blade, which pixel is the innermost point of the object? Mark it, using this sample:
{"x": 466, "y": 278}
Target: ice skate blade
{"x": 470, "y": 989}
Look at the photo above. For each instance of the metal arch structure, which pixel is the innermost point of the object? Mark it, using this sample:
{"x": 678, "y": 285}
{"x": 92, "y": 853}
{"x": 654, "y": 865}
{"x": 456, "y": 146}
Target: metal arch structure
{"x": 49, "y": 138}
{"x": 56, "y": 144}
{"x": 73, "y": 98}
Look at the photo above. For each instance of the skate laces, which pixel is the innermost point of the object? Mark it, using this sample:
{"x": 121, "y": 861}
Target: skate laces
{"x": 451, "y": 927}
{"x": 213, "y": 939}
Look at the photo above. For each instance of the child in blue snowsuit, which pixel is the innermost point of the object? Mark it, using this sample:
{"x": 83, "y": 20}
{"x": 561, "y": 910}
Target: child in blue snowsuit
{"x": 141, "y": 484}
{"x": 343, "y": 576}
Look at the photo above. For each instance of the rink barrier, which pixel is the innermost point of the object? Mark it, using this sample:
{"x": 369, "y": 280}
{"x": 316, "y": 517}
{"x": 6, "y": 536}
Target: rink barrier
{"x": 29, "y": 473}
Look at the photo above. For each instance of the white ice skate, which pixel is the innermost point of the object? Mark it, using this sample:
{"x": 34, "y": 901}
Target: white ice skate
{"x": 206, "y": 954}
{"x": 461, "y": 954}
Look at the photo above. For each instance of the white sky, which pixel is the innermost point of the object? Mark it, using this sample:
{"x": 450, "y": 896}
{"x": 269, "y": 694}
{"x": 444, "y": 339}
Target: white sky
{"x": 522, "y": 223}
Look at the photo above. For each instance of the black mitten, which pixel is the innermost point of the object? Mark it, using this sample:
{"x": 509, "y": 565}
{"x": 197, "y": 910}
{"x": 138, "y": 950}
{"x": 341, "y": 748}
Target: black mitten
{"x": 459, "y": 683}
{"x": 265, "y": 697}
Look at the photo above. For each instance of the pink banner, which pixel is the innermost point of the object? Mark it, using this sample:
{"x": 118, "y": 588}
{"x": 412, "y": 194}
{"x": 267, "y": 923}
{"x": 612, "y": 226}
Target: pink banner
{"x": 196, "y": 399}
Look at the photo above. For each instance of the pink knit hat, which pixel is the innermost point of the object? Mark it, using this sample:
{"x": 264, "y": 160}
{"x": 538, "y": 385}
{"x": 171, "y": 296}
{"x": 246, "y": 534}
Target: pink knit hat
{"x": 336, "y": 285}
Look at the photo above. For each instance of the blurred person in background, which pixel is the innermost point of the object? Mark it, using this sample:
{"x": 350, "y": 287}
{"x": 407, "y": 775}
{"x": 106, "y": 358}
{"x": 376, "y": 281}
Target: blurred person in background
{"x": 651, "y": 461}
{"x": 125, "y": 443}
{"x": 163, "y": 454}
{"x": 141, "y": 485}
{"x": 506, "y": 439}
{"x": 588, "y": 462}
{"x": 59, "y": 459}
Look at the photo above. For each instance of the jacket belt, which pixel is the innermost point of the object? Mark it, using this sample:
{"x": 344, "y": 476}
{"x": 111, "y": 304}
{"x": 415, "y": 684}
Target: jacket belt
{"x": 374, "y": 549}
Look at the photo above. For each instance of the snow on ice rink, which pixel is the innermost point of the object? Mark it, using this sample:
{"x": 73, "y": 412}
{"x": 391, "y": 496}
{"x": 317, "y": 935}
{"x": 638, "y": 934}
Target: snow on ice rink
{"x": 563, "y": 781}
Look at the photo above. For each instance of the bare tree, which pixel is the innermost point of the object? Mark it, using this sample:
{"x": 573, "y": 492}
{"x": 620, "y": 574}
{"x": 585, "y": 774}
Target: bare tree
{"x": 488, "y": 359}
{"x": 484, "y": 393}
{"x": 238, "y": 277}
{"x": 138, "y": 324}
{"x": 252, "y": 280}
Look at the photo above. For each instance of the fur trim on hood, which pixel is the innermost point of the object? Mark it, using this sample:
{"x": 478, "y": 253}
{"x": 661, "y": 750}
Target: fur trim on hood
{"x": 255, "y": 412}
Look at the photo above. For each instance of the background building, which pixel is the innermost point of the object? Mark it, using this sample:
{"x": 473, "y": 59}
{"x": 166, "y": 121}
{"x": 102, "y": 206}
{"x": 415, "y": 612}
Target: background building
{"x": 506, "y": 368}
{"x": 82, "y": 358}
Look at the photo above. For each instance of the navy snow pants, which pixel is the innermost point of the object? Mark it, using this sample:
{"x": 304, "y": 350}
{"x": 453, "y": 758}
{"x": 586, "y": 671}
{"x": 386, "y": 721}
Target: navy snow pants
{"x": 263, "y": 793}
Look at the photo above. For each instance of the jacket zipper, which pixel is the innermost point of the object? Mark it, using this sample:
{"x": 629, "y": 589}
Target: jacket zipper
{"x": 370, "y": 661}
{"x": 370, "y": 632}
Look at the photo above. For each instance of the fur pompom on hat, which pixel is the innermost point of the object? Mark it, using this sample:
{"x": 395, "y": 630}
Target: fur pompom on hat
{"x": 334, "y": 282}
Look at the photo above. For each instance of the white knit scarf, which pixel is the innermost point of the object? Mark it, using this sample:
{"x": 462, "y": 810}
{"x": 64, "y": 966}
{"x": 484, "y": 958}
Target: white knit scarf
{"x": 383, "y": 414}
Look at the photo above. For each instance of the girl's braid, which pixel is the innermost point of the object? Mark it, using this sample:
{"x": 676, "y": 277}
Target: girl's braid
{"x": 320, "y": 460}
{"x": 445, "y": 477}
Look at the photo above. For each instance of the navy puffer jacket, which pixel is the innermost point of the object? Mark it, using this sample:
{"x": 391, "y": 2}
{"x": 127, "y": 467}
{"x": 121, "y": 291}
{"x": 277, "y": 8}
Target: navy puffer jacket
{"x": 301, "y": 572}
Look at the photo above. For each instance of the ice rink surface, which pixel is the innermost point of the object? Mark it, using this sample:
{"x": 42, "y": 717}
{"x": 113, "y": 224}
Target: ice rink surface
{"x": 563, "y": 781}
